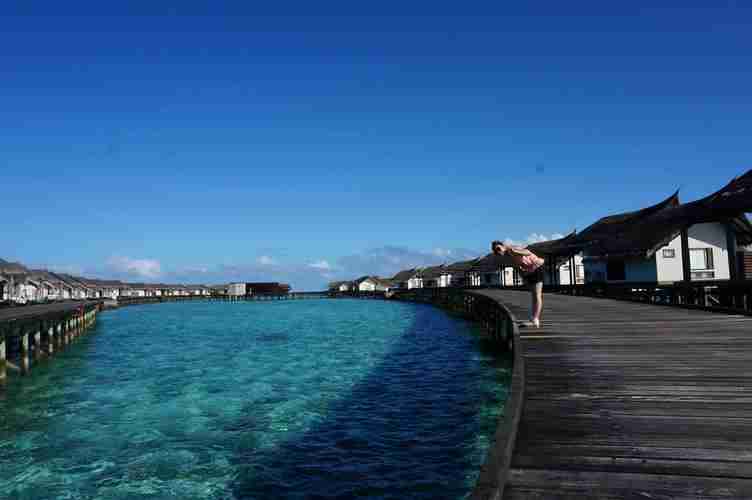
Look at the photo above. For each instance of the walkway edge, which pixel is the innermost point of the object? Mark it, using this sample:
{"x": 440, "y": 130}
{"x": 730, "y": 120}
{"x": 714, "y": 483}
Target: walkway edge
{"x": 495, "y": 472}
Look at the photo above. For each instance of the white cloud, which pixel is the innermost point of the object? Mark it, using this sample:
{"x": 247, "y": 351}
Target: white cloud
{"x": 142, "y": 268}
{"x": 537, "y": 238}
{"x": 442, "y": 252}
{"x": 388, "y": 260}
{"x": 533, "y": 238}
{"x": 73, "y": 269}
{"x": 321, "y": 265}
{"x": 265, "y": 260}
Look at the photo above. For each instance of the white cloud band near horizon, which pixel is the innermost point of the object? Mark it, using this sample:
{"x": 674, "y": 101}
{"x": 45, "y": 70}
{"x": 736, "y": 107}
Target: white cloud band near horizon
{"x": 142, "y": 268}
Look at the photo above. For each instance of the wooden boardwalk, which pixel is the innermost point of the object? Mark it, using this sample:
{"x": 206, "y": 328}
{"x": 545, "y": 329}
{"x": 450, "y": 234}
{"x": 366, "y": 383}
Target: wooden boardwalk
{"x": 627, "y": 400}
{"x": 39, "y": 310}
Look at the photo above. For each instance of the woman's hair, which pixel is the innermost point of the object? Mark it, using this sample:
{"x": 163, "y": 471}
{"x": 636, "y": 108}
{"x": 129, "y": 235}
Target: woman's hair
{"x": 494, "y": 243}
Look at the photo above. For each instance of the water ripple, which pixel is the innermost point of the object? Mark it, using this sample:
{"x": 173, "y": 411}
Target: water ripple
{"x": 314, "y": 399}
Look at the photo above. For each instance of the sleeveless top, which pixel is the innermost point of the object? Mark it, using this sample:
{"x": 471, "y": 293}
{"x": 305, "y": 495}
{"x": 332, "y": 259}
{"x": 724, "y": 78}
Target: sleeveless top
{"x": 528, "y": 263}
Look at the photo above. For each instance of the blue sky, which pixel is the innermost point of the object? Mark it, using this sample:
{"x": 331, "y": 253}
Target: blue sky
{"x": 208, "y": 141}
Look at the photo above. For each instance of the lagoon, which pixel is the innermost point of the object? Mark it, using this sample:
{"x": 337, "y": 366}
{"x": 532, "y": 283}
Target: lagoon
{"x": 256, "y": 400}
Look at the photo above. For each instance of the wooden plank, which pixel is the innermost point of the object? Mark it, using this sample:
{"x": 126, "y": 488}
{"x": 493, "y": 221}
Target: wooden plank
{"x": 629, "y": 400}
{"x": 558, "y": 484}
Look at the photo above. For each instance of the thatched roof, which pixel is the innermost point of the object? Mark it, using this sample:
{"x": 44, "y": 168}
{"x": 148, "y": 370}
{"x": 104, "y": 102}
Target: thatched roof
{"x": 553, "y": 247}
{"x": 612, "y": 225}
{"x": 387, "y": 283}
{"x": 405, "y": 275}
{"x": 9, "y": 268}
{"x": 462, "y": 267}
{"x": 643, "y": 232}
{"x": 491, "y": 263}
{"x": 433, "y": 272}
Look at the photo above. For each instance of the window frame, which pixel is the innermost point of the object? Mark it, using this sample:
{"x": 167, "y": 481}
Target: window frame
{"x": 709, "y": 261}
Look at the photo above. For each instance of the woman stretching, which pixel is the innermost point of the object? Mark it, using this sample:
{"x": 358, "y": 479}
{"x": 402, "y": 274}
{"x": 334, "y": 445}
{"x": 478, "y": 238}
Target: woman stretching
{"x": 531, "y": 267}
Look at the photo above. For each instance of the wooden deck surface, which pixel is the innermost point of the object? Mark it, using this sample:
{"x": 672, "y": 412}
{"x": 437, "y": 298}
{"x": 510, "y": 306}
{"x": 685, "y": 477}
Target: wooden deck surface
{"x": 627, "y": 400}
{"x": 25, "y": 312}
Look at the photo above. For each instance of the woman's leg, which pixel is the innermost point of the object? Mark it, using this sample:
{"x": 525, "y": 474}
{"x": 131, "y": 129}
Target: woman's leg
{"x": 536, "y": 290}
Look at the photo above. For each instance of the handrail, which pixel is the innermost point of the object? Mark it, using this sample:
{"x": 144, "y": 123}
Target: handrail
{"x": 496, "y": 319}
{"x": 716, "y": 296}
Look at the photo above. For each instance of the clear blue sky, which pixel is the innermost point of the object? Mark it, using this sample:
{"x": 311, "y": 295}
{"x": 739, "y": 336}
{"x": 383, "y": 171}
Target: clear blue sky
{"x": 203, "y": 141}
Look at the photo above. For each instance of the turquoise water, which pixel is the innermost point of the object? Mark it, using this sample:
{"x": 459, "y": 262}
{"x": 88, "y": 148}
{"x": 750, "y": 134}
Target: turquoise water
{"x": 267, "y": 400}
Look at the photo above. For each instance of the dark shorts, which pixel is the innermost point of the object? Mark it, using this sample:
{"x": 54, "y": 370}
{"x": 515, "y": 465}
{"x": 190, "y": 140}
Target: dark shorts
{"x": 534, "y": 278}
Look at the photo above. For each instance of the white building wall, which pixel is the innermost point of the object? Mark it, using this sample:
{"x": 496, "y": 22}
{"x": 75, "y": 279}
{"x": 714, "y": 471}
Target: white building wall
{"x": 414, "y": 283}
{"x": 670, "y": 268}
{"x": 713, "y": 236}
{"x": 709, "y": 235}
{"x": 236, "y": 289}
{"x": 444, "y": 281}
{"x": 26, "y": 291}
{"x": 367, "y": 286}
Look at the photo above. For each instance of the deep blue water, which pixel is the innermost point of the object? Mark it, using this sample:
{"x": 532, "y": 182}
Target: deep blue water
{"x": 267, "y": 400}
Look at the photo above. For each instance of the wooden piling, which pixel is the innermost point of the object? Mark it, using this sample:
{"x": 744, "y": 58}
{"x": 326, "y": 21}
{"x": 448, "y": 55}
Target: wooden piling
{"x": 50, "y": 339}
{"x": 38, "y": 342}
{"x": 24, "y": 351}
{"x": 3, "y": 361}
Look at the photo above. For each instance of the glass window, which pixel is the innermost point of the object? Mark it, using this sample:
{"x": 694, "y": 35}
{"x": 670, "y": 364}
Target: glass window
{"x": 700, "y": 259}
{"x": 669, "y": 253}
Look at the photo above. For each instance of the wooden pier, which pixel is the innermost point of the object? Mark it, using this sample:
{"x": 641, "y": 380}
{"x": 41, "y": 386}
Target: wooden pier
{"x": 32, "y": 333}
{"x": 626, "y": 400}
{"x": 261, "y": 298}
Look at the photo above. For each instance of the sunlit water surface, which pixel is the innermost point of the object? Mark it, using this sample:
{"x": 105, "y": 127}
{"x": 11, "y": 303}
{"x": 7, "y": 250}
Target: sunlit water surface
{"x": 306, "y": 399}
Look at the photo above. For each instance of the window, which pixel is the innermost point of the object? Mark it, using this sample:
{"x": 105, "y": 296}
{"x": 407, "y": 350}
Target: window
{"x": 579, "y": 271}
{"x": 701, "y": 259}
{"x": 669, "y": 253}
{"x": 616, "y": 270}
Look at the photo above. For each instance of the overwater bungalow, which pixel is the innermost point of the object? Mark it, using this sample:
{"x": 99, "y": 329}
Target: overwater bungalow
{"x": 402, "y": 279}
{"x": 669, "y": 241}
{"x": 48, "y": 287}
{"x": 436, "y": 276}
{"x": 372, "y": 284}
{"x": 457, "y": 274}
{"x": 104, "y": 289}
{"x": 340, "y": 286}
{"x": 77, "y": 289}
{"x": 493, "y": 270}
{"x": 11, "y": 273}
{"x": 197, "y": 290}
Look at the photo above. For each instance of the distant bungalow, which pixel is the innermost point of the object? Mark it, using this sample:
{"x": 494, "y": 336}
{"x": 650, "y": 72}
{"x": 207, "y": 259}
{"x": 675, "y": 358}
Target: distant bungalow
{"x": 18, "y": 284}
{"x": 265, "y": 289}
{"x": 373, "y": 284}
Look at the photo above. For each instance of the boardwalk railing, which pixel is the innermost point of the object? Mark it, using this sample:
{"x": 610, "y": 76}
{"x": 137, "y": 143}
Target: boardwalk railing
{"x": 357, "y": 295}
{"x": 720, "y": 296}
{"x": 500, "y": 326}
{"x": 153, "y": 299}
